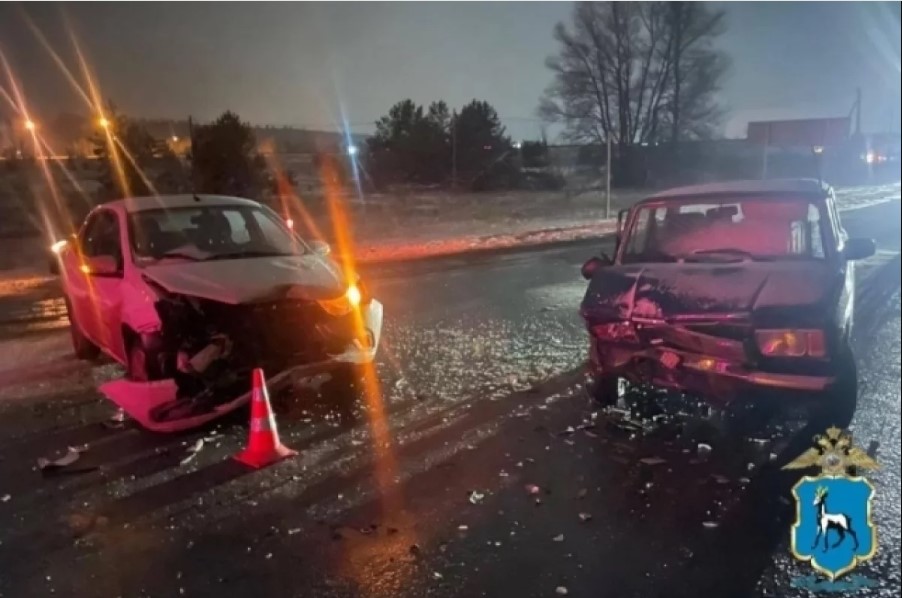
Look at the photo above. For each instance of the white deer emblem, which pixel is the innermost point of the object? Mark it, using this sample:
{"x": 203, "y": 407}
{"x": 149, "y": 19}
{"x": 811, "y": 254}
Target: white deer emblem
{"x": 840, "y": 522}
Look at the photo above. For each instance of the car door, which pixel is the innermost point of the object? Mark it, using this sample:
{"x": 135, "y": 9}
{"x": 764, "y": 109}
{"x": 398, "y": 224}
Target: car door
{"x": 97, "y": 297}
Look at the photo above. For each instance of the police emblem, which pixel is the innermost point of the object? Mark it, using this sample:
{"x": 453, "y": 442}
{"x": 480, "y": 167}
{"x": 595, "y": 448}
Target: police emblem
{"x": 833, "y": 528}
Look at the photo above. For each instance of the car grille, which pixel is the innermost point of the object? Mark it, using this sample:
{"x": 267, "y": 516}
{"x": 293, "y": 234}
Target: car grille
{"x": 283, "y": 332}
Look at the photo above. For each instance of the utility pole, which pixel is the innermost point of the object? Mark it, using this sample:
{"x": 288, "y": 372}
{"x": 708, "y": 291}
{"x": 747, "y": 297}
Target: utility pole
{"x": 858, "y": 112}
{"x": 764, "y": 153}
{"x": 607, "y": 208}
{"x": 454, "y": 152}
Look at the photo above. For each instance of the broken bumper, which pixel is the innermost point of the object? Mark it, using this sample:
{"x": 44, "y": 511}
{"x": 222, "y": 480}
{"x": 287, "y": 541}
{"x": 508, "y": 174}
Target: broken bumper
{"x": 144, "y": 400}
{"x": 708, "y": 375}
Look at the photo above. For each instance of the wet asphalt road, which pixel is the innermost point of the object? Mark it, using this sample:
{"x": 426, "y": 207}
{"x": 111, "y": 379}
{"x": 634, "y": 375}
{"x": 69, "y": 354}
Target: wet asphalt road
{"x": 429, "y": 491}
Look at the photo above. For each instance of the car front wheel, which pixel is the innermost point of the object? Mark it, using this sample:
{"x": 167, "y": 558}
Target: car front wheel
{"x": 604, "y": 389}
{"x": 81, "y": 345}
{"x": 141, "y": 365}
{"x": 837, "y": 406}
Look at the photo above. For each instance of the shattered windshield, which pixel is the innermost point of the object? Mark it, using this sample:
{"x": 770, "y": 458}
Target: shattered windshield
{"x": 733, "y": 229}
{"x": 208, "y": 233}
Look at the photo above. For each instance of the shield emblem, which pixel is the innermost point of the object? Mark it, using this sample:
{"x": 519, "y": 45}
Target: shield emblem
{"x": 833, "y": 528}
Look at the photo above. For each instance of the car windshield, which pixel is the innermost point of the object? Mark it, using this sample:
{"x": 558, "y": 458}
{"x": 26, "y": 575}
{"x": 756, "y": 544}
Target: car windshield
{"x": 732, "y": 229}
{"x": 210, "y": 232}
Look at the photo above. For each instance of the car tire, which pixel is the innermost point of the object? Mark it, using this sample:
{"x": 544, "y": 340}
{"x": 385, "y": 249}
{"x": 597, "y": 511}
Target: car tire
{"x": 604, "y": 389}
{"x": 81, "y": 345}
{"x": 141, "y": 365}
{"x": 837, "y": 406}
{"x": 346, "y": 386}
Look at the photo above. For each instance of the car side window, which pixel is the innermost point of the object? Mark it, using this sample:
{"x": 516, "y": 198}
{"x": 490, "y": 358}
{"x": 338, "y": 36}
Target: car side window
{"x": 101, "y": 236}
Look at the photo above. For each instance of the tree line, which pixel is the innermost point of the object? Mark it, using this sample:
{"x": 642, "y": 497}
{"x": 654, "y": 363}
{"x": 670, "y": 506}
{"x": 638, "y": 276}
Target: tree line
{"x": 634, "y": 73}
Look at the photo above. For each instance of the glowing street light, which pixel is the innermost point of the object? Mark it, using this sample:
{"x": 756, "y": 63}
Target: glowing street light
{"x": 103, "y": 122}
{"x": 175, "y": 139}
{"x": 352, "y": 150}
{"x": 29, "y": 125}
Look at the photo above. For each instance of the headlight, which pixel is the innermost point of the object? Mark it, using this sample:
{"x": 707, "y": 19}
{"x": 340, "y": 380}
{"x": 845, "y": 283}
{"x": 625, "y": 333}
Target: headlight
{"x": 342, "y": 305}
{"x": 791, "y": 343}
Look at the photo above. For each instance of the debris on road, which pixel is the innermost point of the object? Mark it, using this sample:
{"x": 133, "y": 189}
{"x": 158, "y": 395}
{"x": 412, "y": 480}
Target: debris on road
{"x": 73, "y": 453}
{"x": 437, "y": 575}
{"x": 585, "y": 517}
{"x": 582, "y": 493}
{"x": 462, "y": 528}
{"x": 703, "y": 450}
{"x": 652, "y": 461}
{"x": 532, "y": 489}
{"x": 294, "y": 530}
{"x": 476, "y": 497}
{"x": 558, "y": 538}
{"x": 721, "y": 479}
{"x": 561, "y": 590}
{"x": 5, "y": 498}
{"x": 710, "y": 524}
{"x": 192, "y": 452}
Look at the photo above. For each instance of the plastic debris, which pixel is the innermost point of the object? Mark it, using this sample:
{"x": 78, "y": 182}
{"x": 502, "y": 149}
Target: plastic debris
{"x": 558, "y": 538}
{"x": 561, "y": 590}
{"x": 5, "y": 498}
{"x": 584, "y": 517}
{"x": 73, "y": 453}
{"x": 744, "y": 480}
{"x": 710, "y": 524}
{"x": 436, "y": 575}
{"x": 462, "y": 528}
{"x": 192, "y": 451}
{"x": 652, "y": 461}
{"x": 703, "y": 450}
{"x": 294, "y": 530}
{"x": 532, "y": 489}
{"x": 476, "y": 497}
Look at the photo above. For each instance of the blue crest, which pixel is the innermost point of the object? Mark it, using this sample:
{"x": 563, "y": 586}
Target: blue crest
{"x": 833, "y": 528}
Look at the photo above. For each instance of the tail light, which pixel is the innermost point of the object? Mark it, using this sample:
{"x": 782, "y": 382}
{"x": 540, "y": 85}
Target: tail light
{"x": 791, "y": 343}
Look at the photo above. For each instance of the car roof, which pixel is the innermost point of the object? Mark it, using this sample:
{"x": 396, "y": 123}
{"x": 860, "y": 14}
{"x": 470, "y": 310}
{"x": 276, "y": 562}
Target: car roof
{"x": 775, "y": 187}
{"x": 158, "y": 202}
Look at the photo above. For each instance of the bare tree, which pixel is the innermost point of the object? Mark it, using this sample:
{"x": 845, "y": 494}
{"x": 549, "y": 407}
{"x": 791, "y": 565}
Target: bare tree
{"x": 697, "y": 68}
{"x": 626, "y": 71}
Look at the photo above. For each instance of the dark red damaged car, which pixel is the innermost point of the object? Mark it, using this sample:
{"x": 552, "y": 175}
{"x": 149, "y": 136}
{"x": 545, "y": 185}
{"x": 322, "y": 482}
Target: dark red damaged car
{"x": 727, "y": 289}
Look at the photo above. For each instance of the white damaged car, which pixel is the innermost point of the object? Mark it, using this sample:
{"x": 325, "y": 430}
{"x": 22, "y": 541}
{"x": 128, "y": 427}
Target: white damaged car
{"x": 191, "y": 292}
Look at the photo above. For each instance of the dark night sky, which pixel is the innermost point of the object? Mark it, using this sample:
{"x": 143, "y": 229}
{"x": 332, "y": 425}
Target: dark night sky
{"x": 295, "y": 63}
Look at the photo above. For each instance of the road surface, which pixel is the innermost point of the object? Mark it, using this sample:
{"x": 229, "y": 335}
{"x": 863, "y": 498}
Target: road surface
{"x": 481, "y": 471}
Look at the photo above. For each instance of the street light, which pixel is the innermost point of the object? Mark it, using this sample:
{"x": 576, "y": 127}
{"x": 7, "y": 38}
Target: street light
{"x": 29, "y": 125}
{"x": 352, "y": 150}
{"x": 103, "y": 122}
{"x": 175, "y": 139}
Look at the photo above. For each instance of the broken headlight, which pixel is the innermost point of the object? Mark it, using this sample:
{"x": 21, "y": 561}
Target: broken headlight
{"x": 350, "y": 299}
{"x": 791, "y": 343}
{"x": 615, "y": 331}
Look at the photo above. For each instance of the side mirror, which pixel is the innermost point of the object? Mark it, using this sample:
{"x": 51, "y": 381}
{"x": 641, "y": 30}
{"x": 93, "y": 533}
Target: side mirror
{"x": 101, "y": 265}
{"x": 320, "y": 248}
{"x": 594, "y": 264}
{"x": 859, "y": 248}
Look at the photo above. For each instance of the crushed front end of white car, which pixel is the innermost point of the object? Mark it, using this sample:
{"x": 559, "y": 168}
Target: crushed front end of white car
{"x": 292, "y": 316}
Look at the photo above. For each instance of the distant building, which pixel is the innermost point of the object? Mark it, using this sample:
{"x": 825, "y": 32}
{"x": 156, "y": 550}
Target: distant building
{"x": 808, "y": 132}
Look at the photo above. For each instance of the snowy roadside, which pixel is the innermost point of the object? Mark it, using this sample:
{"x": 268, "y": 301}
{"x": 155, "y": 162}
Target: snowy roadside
{"x": 411, "y": 239}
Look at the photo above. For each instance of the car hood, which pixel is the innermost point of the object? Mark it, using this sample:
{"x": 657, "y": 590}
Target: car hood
{"x": 663, "y": 291}
{"x": 251, "y": 280}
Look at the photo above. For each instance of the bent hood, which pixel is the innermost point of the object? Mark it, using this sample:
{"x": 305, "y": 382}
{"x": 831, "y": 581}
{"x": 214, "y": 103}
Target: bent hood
{"x": 251, "y": 280}
{"x": 662, "y": 291}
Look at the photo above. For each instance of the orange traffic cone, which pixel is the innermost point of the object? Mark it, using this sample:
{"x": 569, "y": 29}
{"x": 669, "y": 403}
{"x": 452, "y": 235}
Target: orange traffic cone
{"x": 263, "y": 445}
